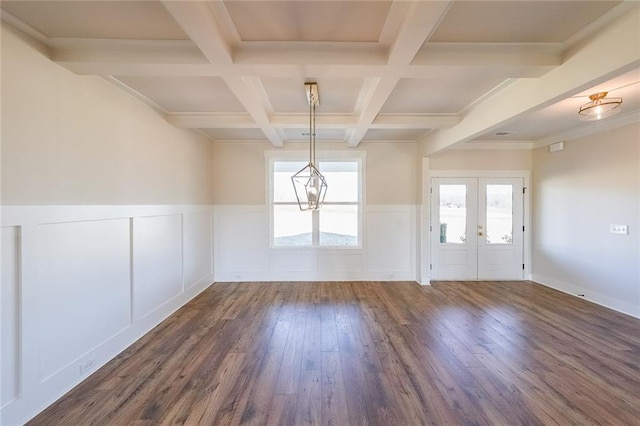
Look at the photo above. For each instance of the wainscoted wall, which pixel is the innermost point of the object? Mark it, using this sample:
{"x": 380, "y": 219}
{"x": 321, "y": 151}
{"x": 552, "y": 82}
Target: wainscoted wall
{"x": 10, "y": 314}
{"x": 81, "y": 283}
{"x": 243, "y": 252}
{"x": 106, "y": 224}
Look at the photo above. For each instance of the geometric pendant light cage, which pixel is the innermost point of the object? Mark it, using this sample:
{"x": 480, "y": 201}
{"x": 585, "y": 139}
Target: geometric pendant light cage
{"x": 308, "y": 183}
{"x": 600, "y": 107}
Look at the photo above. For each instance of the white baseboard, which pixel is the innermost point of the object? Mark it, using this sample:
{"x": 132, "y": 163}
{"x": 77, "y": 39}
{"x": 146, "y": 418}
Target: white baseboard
{"x": 267, "y": 276}
{"x": 595, "y": 297}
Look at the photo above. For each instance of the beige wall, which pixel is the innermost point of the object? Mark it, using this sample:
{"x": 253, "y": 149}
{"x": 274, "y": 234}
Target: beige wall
{"x": 467, "y": 159}
{"x": 239, "y": 175}
{"x": 393, "y": 173}
{"x": 577, "y": 194}
{"x": 69, "y": 139}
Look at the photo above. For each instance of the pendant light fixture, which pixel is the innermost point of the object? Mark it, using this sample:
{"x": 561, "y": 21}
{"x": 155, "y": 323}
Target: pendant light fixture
{"x": 600, "y": 107}
{"x": 309, "y": 184}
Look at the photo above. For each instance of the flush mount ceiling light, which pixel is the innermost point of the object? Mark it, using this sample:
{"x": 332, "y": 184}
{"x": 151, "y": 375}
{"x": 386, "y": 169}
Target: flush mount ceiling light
{"x": 309, "y": 184}
{"x": 600, "y": 107}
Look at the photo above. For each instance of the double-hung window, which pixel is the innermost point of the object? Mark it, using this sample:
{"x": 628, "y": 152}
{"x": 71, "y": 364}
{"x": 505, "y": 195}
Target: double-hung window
{"x": 336, "y": 224}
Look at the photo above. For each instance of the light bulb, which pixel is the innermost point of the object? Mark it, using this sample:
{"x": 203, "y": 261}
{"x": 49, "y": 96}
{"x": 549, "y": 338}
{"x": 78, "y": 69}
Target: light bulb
{"x": 312, "y": 190}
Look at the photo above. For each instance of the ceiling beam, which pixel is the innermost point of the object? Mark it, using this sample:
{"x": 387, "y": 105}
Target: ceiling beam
{"x": 70, "y": 61}
{"x": 127, "y": 51}
{"x": 415, "y": 121}
{"x": 198, "y": 23}
{"x": 183, "y": 57}
{"x": 534, "y": 56}
{"x": 250, "y": 93}
{"x": 211, "y": 121}
{"x": 321, "y": 53}
{"x": 323, "y": 121}
{"x": 613, "y": 50}
{"x": 301, "y": 121}
{"x": 420, "y": 20}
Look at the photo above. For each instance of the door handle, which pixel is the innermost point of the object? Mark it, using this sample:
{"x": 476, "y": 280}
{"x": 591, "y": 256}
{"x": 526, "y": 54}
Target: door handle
{"x": 480, "y": 234}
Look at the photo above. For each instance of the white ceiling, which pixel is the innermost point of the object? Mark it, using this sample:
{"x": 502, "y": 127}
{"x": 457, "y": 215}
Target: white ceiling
{"x": 438, "y": 72}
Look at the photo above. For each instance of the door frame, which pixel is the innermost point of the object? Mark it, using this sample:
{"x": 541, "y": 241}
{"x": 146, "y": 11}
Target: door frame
{"x": 425, "y": 237}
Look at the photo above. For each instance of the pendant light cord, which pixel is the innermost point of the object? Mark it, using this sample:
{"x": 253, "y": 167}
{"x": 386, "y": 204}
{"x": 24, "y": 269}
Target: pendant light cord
{"x": 311, "y": 128}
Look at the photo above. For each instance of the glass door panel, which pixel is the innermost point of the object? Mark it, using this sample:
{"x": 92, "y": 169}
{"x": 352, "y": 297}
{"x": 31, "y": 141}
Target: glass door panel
{"x": 499, "y": 213}
{"x": 453, "y": 214}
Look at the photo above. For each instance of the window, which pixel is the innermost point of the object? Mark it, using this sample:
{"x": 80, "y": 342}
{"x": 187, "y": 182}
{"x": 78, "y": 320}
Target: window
{"x": 336, "y": 224}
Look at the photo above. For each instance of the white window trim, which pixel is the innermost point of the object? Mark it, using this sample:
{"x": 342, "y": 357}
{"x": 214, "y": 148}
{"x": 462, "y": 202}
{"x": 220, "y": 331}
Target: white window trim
{"x": 300, "y": 155}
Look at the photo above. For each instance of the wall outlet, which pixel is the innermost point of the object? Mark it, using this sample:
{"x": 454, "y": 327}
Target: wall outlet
{"x": 87, "y": 365}
{"x": 619, "y": 229}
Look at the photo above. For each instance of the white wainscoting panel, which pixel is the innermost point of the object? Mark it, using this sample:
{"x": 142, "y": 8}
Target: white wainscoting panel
{"x": 340, "y": 262}
{"x": 157, "y": 259}
{"x": 198, "y": 246}
{"x": 84, "y": 288}
{"x": 243, "y": 253}
{"x": 389, "y": 240}
{"x": 71, "y": 276}
{"x": 287, "y": 262}
{"x": 10, "y": 318}
{"x": 241, "y": 235}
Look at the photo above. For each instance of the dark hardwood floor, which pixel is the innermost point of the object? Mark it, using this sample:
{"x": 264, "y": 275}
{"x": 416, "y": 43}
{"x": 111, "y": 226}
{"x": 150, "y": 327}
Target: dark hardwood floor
{"x": 477, "y": 353}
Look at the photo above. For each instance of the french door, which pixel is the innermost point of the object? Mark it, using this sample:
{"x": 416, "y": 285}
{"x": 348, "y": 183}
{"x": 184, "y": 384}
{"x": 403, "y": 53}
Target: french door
{"x": 477, "y": 229}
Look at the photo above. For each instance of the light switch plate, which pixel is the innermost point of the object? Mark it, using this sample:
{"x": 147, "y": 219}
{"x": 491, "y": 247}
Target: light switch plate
{"x": 619, "y": 229}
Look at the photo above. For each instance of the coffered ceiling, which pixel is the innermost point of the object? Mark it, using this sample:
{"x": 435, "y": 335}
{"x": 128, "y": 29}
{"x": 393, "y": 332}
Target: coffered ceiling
{"x": 437, "y": 72}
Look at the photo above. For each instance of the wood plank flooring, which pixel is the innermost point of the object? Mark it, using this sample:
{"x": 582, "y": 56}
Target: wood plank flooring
{"x": 371, "y": 353}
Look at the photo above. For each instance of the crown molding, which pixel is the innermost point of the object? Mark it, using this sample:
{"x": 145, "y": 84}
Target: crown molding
{"x": 590, "y": 129}
{"x": 514, "y": 145}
